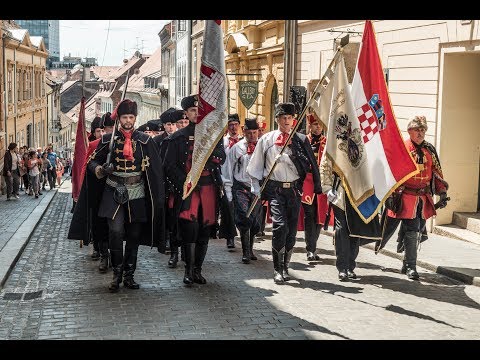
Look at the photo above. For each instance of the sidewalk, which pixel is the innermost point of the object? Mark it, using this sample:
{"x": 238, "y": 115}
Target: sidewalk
{"x": 18, "y": 219}
{"x": 454, "y": 258}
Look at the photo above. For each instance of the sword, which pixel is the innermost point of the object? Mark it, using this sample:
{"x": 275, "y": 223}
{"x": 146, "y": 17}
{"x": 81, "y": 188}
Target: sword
{"x": 110, "y": 145}
{"x": 335, "y": 185}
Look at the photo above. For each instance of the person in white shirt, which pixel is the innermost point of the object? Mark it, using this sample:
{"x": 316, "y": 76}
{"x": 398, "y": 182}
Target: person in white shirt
{"x": 227, "y": 228}
{"x": 285, "y": 186}
{"x": 237, "y": 184}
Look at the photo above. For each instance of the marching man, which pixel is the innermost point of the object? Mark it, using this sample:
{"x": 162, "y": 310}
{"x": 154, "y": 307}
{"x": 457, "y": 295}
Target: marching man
{"x": 285, "y": 186}
{"x": 237, "y": 185}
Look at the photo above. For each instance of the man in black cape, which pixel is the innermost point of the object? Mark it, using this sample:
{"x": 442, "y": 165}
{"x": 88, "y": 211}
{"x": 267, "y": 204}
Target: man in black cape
{"x": 133, "y": 195}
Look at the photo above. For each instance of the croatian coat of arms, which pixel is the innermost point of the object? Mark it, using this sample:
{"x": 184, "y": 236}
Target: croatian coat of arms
{"x": 351, "y": 142}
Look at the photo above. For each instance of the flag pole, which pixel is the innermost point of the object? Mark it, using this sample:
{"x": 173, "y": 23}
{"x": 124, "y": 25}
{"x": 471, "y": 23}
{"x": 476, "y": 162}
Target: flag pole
{"x": 318, "y": 91}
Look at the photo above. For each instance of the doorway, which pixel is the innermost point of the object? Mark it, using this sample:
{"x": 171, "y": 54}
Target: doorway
{"x": 459, "y": 144}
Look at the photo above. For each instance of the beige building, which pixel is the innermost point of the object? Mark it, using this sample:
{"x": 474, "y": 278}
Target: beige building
{"x": 255, "y": 52}
{"x": 433, "y": 69}
{"x": 198, "y": 27}
{"x": 25, "y": 88}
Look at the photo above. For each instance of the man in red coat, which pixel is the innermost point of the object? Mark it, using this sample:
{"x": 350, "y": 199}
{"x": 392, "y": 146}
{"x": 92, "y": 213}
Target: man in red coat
{"x": 415, "y": 203}
{"x": 315, "y": 206}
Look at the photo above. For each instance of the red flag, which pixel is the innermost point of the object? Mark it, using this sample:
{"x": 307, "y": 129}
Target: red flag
{"x": 389, "y": 160}
{"x": 81, "y": 145}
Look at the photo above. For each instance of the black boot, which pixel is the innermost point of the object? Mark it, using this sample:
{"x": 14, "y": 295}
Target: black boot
{"x": 172, "y": 262}
{"x": 231, "y": 243}
{"x": 189, "y": 251}
{"x": 182, "y": 253}
{"x": 95, "y": 254}
{"x": 129, "y": 267}
{"x": 103, "y": 266}
{"x": 278, "y": 259}
{"x": 252, "y": 241}
{"x": 200, "y": 253}
{"x": 117, "y": 266}
{"x": 245, "y": 238}
{"x": 167, "y": 242}
{"x": 288, "y": 256}
{"x": 410, "y": 240}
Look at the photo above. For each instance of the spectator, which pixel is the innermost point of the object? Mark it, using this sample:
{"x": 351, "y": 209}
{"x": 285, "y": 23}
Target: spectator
{"x": 24, "y": 171}
{"x": 45, "y": 166}
{"x": 33, "y": 172}
{"x": 60, "y": 169}
{"x": 52, "y": 172}
{"x": 11, "y": 171}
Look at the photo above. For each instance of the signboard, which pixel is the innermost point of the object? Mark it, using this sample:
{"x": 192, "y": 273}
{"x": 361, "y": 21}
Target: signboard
{"x": 248, "y": 92}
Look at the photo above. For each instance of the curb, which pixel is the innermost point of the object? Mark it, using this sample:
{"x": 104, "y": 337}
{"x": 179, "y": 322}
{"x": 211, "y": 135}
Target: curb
{"x": 13, "y": 249}
{"x": 462, "y": 276}
{"x": 442, "y": 270}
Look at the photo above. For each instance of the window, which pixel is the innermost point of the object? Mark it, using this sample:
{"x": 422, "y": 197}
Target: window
{"x": 43, "y": 83}
{"x": 182, "y": 25}
{"x": 195, "y": 64}
{"x": 25, "y": 85}
{"x": 10, "y": 84}
{"x": 19, "y": 84}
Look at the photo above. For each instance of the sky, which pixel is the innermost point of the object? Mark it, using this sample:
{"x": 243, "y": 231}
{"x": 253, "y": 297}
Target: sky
{"x": 88, "y": 38}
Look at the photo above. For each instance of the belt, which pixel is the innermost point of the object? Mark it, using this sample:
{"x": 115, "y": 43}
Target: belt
{"x": 285, "y": 185}
{"x": 131, "y": 180}
{"x": 412, "y": 191}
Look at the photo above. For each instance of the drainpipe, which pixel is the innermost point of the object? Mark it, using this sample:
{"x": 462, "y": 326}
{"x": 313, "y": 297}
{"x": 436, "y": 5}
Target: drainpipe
{"x": 5, "y": 108}
{"x": 290, "y": 44}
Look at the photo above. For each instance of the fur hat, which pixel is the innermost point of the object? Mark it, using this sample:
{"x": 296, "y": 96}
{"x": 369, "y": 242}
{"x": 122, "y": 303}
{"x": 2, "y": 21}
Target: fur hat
{"x": 107, "y": 119}
{"x": 189, "y": 101}
{"x": 250, "y": 124}
{"x": 126, "y": 106}
{"x": 285, "y": 109}
{"x": 96, "y": 124}
{"x": 172, "y": 115}
{"x": 233, "y": 117}
{"x": 155, "y": 125}
{"x": 418, "y": 122}
{"x": 143, "y": 127}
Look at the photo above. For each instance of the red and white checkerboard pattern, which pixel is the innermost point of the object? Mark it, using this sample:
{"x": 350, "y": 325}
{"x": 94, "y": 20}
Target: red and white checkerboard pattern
{"x": 368, "y": 122}
{"x": 211, "y": 87}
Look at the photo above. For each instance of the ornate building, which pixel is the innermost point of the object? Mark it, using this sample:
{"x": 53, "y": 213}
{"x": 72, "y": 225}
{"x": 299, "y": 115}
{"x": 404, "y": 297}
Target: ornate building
{"x": 25, "y": 101}
{"x": 255, "y": 53}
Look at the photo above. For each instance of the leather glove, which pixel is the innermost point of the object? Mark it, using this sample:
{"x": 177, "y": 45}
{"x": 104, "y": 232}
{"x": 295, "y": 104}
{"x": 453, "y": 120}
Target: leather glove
{"x": 332, "y": 196}
{"x": 255, "y": 189}
{"x": 103, "y": 170}
{"x": 443, "y": 200}
{"x": 229, "y": 195}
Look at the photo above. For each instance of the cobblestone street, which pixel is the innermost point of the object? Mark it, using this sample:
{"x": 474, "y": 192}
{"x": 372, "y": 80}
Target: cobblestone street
{"x": 56, "y": 292}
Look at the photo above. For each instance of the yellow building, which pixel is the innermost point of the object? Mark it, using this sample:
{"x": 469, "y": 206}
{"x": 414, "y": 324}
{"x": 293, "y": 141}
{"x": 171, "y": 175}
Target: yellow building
{"x": 25, "y": 99}
{"x": 433, "y": 69}
{"x": 255, "y": 52}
